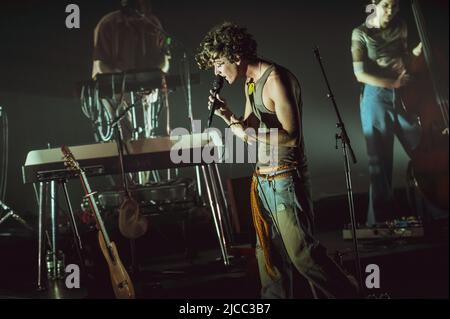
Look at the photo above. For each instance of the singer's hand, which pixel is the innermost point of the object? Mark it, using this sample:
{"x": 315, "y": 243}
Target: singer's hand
{"x": 222, "y": 109}
{"x": 403, "y": 79}
{"x": 238, "y": 129}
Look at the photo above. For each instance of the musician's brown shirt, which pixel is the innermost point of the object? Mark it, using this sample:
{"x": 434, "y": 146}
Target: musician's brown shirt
{"x": 127, "y": 42}
{"x": 384, "y": 50}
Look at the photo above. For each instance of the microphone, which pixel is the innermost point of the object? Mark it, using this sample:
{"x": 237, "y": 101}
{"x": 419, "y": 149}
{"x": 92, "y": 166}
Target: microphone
{"x": 217, "y": 86}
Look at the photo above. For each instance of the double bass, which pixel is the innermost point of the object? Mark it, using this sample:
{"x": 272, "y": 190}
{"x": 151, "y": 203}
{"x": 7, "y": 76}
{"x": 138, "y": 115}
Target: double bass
{"x": 426, "y": 98}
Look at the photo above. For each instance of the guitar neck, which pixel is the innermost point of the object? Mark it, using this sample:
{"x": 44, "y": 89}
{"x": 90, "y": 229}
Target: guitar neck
{"x": 94, "y": 207}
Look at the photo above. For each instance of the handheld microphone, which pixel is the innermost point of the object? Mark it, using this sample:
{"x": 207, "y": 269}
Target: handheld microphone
{"x": 217, "y": 86}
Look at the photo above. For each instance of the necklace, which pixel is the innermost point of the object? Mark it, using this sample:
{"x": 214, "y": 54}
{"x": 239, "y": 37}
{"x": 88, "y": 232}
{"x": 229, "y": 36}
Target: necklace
{"x": 251, "y": 82}
{"x": 260, "y": 66}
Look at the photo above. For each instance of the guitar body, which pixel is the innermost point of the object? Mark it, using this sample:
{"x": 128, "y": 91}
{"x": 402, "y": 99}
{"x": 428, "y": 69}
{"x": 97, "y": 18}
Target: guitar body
{"x": 430, "y": 158}
{"x": 120, "y": 280}
{"x": 427, "y": 96}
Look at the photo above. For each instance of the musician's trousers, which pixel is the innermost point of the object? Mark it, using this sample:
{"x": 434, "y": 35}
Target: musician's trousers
{"x": 383, "y": 116}
{"x": 286, "y": 203}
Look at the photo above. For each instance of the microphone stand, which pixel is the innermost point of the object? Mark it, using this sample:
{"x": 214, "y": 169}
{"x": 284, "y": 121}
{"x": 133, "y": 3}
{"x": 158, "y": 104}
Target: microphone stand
{"x": 212, "y": 180}
{"x": 119, "y": 117}
{"x": 115, "y": 125}
{"x": 217, "y": 201}
{"x": 9, "y": 212}
{"x": 346, "y": 148}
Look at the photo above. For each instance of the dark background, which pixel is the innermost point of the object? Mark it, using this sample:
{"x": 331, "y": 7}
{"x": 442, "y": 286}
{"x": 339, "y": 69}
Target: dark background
{"x": 41, "y": 60}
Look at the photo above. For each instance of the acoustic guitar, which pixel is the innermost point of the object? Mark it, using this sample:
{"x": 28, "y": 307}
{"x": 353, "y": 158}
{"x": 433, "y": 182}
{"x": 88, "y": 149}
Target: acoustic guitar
{"x": 120, "y": 280}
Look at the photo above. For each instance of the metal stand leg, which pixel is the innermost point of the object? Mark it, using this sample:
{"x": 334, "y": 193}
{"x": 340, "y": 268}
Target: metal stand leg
{"x": 134, "y": 266}
{"x": 313, "y": 290}
{"x": 199, "y": 182}
{"x": 42, "y": 187}
{"x": 156, "y": 176}
{"x": 6, "y": 217}
{"x": 53, "y": 282}
{"x": 226, "y": 210}
{"x": 352, "y": 215}
{"x": 215, "y": 210}
{"x": 11, "y": 214}
{"x": 222, "y": 191}
{"x": 73, "y": 224}
{"x": 219, "y": 200}
{"x": 54, "y": 228}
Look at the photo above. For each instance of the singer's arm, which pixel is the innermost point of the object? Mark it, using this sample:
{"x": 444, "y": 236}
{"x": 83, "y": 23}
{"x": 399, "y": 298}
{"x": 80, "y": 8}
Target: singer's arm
{"x": 237, "y": 125}
{"x": 283, "y": 103}
{"x": 100, "y": 67}
{"x": 365, "y": 77}
{"x": 249, "y": 118}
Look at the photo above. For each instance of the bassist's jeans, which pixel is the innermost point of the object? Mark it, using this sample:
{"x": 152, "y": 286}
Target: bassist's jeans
{"x": 383, "y": 116}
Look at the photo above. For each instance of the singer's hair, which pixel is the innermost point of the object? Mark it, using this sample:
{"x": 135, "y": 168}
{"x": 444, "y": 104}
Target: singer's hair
{"x": 140, "y": 5}
{"x": 226, "y": 40}
{"x": 376, "y": 2}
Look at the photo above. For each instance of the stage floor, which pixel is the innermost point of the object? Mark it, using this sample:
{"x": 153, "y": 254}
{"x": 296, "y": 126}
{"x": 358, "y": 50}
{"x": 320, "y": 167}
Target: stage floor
{"x": 414, "y": 268}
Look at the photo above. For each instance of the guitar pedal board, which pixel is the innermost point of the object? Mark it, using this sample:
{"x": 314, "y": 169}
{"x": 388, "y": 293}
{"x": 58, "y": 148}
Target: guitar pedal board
{"x": 407, "y": 227}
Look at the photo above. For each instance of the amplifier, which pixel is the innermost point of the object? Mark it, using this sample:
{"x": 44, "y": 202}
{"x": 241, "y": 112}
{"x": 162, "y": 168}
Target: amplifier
{"x": 160, "y": 197}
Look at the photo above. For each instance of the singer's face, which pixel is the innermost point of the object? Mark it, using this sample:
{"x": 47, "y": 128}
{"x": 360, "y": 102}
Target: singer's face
{"x": 227, "y": 70}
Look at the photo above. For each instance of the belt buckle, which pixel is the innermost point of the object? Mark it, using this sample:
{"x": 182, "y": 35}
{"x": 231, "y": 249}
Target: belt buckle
{"x": 272, "y": 174}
